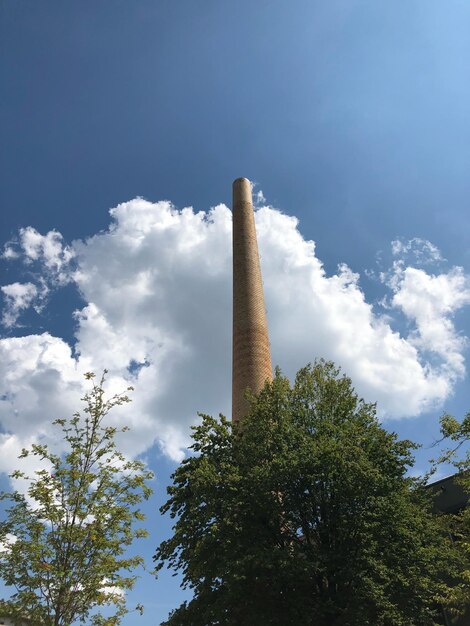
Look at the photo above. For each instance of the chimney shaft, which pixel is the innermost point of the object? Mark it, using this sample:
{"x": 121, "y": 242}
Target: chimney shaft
{"x": 251, "y": 357}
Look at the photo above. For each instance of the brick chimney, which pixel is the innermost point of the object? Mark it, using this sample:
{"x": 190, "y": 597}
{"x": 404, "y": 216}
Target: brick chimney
{"x": 251, "y": 356}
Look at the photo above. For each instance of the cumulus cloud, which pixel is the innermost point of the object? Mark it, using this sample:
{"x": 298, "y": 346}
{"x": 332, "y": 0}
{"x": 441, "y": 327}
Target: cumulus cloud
{"x": 430, "y": 301}
{"x": 17, "y": 297}
{"x": 49, "y": 263}
{"x": 47, "y": 250}
{"x": 157, "y": 312}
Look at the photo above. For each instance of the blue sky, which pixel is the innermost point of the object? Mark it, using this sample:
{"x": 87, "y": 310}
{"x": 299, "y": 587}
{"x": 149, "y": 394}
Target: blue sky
{"x": 351, "y": 117}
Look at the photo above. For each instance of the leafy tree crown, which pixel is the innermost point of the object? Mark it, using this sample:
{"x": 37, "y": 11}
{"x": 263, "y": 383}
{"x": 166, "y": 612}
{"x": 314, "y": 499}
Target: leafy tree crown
{"x": 303, "y": 513}
{"x": 65, "y": 541}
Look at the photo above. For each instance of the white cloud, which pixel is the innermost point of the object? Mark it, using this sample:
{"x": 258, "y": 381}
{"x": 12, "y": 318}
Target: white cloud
{"x": 31, "y": 246}
{"x": 420, "y": 251}
{"x": 157, "y": 288}
{"x": 113, "y": 591}
{"x": 5, "y": 545}
{"x": 49, "y": 263}
{"x": 48, "y": 248}
{"x": 430, "y": 301}
{"x": 40, "y": 382}
{"x": 9, "y": 252}
{"x": 17, "y": 296}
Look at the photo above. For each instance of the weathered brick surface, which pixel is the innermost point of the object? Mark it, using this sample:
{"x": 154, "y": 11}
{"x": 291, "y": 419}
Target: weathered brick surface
{"x": 251, "y": 364}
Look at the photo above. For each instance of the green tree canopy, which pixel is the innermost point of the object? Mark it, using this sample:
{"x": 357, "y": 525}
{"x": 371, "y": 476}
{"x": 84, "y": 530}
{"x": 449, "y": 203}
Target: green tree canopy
{"x": 64, "y": 544}
{"x": 304, "y": 514}
{"x": 458, "y": 435}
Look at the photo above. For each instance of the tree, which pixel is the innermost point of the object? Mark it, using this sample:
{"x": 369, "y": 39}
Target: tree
{"x": 64, "y": 543}
{"x": 304, "y": 514}
{"x": 458, "y": 596}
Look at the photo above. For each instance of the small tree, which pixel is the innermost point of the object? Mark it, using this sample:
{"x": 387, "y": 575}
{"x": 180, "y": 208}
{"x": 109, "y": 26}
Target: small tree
{"x": 64, "y": 543}
{"x": 303, "y": 514}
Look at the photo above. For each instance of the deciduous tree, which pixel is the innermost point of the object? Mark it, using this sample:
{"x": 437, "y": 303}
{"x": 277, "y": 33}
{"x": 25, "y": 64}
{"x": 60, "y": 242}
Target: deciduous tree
{"x": 304, "y": 514}
{"x": 64, "y": 543}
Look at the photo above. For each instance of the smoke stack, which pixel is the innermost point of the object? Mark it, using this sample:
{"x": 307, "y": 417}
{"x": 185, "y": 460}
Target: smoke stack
{"x": 251, "y": 356}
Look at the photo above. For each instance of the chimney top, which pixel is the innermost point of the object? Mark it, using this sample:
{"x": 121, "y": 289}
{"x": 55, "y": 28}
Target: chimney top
{"x": 241, "y": 181}
{"x": 242, "y": 191}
